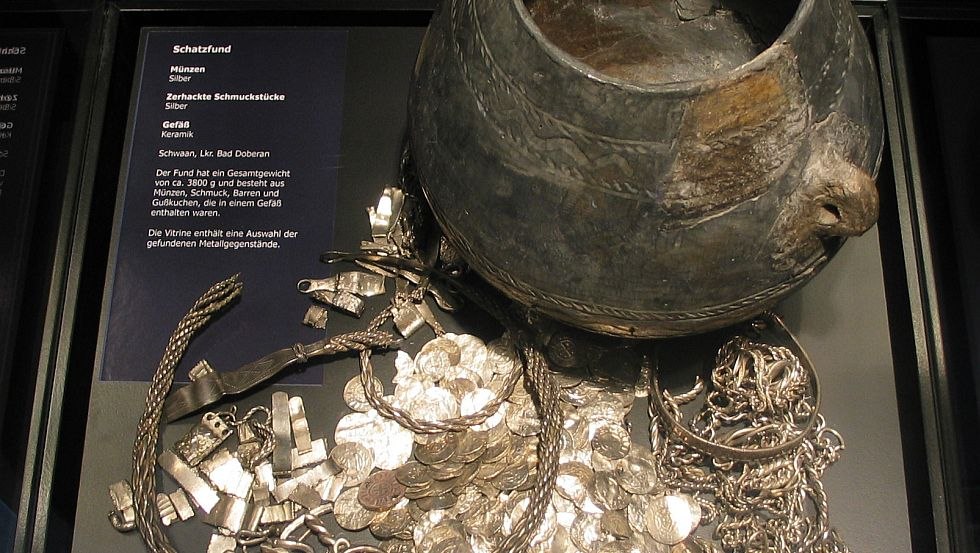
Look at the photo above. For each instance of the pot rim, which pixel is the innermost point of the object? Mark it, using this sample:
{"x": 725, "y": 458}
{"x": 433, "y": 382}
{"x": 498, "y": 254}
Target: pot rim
{"x": 771, "y": 52}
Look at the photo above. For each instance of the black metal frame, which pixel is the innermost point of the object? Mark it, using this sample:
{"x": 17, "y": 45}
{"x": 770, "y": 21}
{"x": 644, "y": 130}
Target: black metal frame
{"x": 67, "y": 347}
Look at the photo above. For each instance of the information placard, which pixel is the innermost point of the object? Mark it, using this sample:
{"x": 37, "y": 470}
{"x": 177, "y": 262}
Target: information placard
{"x": 230, "y": 167}
{"x": 27, "y": 64}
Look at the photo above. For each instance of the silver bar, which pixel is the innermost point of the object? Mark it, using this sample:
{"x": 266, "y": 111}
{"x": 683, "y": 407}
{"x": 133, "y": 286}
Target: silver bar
{"x": 317, "y": 454}
{"x": 121, "y": 494}
{"x": 264, "y": 476}
{"x": 199, "y": 490}
{"x": 310, "y": 285}
{"x": 222, "y": 544}
{"x": 301, "y": 428}
{"x": 253, "y": 517}
{"x": 283, "y": 432}
{"x": 181, "y": 505}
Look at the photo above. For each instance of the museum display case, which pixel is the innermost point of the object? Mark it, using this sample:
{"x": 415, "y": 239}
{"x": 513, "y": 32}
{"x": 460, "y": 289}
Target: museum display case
{"x": 178, "y": 143}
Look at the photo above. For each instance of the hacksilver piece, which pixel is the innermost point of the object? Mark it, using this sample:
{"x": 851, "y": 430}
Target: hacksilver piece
{"x": 282, "y": 429}
{"x": 202, "y": 439}
{"x": 316, "y": 317}
{"x": 188, "y": 479}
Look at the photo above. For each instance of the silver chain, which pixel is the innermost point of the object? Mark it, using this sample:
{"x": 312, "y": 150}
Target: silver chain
{"x": 760, "y": 398}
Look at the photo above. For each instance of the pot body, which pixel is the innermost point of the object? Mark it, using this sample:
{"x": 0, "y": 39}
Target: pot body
{"x": 645, "y": 210}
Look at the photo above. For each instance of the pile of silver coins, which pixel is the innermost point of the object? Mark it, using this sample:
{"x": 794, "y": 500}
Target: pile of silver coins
{"x": 465, "y": 491}
{"x": 448, "y": 492}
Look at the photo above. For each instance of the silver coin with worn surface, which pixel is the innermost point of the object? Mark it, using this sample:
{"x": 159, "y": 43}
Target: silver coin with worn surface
{"x": 672, "y": 518}
{"x": 349, "y": 512}
{"x": 354, "y": 460}
{"x": 587, "y": 533}
{"x": 354, "y": 395}
{"x": 612, "y": 441}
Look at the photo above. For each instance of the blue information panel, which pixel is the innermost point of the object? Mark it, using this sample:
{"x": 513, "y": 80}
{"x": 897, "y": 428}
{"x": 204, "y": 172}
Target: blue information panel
{"x": 230, "y": 167}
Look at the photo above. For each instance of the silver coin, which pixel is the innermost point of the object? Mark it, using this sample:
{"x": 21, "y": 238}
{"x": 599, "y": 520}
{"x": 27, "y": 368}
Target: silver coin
{"x": 587, "y": 534}
{"x": 397, "y": 546}
{"x": 436, "y": 356}
{"x": 607, "y": 493}
{"x": 408, "y": 390}
{"x": 391, "y": 523}
{"x": 354, "y": 395}
{"x": 512, "y": 477}
{"x": 672, "y": 518}
{"x": 435, "y": 404}
{"x": 612, "y": 441}
{"x": 638, "y": 475}
{"x": 565, "y": 511}
{"x": 474, "y": 355}
{"x": 692, "y": 545}
{"x": 578, "y": 395}
{"x": 623, "y": 546}
{"x": 461, "y": 385}
{"x": 404, "y": 367}
{"x": 354, "y": 460}
{"x": 392, "y": 448}
{"x": 523, "y": 420}
{"x": 349, "y": 513}
{"x": 616, "y": 524}
{"x": 436, "y": 502}
{"x": 475, "y": 401}
{"x": 602, "y": 463}
{"x": 573, "y": 481}
{"x": 356, "y": 427}
{"x": 439, "y": 449}
{"x": 471, "y": 503}
{"x": 636, "y": 512}
{"x": 471, "y": 445}
{"x": 502, "y": 357}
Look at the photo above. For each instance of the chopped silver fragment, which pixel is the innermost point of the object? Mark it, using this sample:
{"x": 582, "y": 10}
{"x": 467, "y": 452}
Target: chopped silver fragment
{"x": 222, "y": 544}
{"x": 202, "y": 439}
{"x": 185, "y": 476}
{"x": 408, "y": 319}
{"x": 316, "y": 317}
{"x": 300, "y": 426}
{"x": 121, "y": 494}
{"x": 166, "y": 510}
{"x": 181, "y": 504}
{"x": 342, "y": 301}
{"x": 228, "y": 514}
{"x": 226, "y": 474}
{"x": 360, "y": 283}
{"x": 282, "y": 428}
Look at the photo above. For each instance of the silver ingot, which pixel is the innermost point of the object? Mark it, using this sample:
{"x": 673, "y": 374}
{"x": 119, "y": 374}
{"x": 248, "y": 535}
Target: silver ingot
{"x": 673, "y": 182}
